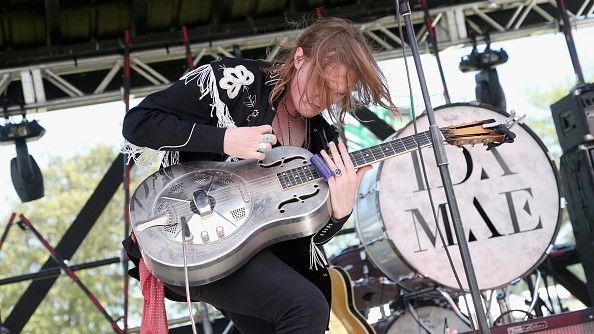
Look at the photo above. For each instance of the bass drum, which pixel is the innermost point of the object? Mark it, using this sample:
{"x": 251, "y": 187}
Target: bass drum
{"x": 435, "y": 318}
{"x": 508, "y": 199}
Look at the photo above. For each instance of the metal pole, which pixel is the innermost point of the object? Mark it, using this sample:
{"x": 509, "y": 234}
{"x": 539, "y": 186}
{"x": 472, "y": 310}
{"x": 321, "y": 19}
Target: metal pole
{"x": 126, "y": 180}
{"x": 53, "y": 272}
{"x": 435, "y": 49}
{"x": 566, "y": 25}
{"x": 206, "y": 325}
{"x": 189, "y": 58}
{"x": 70, "y": 272}
{"x": 442, "y": 163}
{"x": 8, "y": 226}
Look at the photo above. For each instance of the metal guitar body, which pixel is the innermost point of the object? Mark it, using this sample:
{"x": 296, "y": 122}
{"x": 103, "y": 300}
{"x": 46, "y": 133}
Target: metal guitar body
{"x": 233, "y": 210}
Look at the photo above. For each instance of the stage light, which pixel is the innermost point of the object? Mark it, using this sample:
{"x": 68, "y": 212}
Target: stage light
{"x": 26, "y": 175}
{"x": 488, "y": 89}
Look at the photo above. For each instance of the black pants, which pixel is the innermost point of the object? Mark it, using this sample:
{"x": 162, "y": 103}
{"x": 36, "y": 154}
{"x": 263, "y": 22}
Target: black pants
{"x": 266, "y": 296}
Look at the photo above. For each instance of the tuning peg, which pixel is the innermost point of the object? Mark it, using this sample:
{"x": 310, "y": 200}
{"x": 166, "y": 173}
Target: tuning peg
{"x": 508, "y": 122}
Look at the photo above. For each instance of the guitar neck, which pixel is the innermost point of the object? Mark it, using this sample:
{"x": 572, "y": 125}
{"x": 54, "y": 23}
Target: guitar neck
{"x": 360, "y": 158}
{"x": 387, "y": 150}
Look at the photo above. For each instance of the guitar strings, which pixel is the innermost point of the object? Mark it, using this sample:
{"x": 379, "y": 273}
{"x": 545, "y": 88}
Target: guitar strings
{"x": 265, "y": 179}
{"x": 227, "y": 191}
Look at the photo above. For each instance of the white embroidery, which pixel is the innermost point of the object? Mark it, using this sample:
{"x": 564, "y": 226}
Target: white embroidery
{"x": 272, "y": 79}
{"x": 206, "y": 81}
{"x": 316, "y": 256}
{"x": 234, "y": 78}
{"x": 251, "y": 103}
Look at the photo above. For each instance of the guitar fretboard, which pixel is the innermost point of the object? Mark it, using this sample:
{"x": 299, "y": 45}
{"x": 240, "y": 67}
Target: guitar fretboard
{"x": 367, "y": 156}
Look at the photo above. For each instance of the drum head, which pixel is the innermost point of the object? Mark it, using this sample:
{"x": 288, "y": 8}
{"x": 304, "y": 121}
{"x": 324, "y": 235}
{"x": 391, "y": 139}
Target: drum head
{"x": 508, "y": 199}
{"x": 435, "y": 318}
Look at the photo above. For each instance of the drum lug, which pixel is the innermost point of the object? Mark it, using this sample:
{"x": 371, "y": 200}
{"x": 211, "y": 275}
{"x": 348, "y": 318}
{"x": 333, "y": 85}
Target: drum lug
{"x": 373, "y": 189}
{"x": 383, "y": 236}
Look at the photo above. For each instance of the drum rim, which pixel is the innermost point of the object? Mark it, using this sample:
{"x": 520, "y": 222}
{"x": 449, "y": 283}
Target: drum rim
{"x": 551, "y": 161}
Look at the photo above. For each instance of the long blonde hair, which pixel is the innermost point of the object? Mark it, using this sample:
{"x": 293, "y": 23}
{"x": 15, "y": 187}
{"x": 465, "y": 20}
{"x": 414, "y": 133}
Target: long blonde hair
{"x": 331, "y": 41}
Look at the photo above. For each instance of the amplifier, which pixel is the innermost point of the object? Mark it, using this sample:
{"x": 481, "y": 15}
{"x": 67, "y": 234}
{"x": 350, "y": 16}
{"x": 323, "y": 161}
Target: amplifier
{"x": 577, "y": 176}
{"x": 578, "y": 322}
{"x": 574, "y": 117}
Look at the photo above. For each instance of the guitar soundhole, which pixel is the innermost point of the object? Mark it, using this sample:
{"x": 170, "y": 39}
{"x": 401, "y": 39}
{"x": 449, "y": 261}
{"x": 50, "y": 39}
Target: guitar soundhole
{"x": 282, "y": 161}
{"x": 296, "y": 199}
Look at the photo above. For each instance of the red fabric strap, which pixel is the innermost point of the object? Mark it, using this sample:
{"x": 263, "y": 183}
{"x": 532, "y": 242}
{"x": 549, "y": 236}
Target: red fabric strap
{"x": 154, "y": 317}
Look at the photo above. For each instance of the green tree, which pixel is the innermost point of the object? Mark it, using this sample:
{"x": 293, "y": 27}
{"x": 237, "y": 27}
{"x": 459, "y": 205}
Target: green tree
{"x": 68, "y": 185}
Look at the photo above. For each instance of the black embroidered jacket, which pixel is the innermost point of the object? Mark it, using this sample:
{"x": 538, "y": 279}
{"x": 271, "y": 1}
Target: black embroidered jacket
{"x": 190, "y": 118}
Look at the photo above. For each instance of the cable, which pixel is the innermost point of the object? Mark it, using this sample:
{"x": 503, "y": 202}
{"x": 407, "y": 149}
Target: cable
{"x": 497, "y": 321}
{"x": 454, "y": 307}
{"x": 187, "y": 236}
{"x": 397, "y": 2}
{"x": 534, "y": 294}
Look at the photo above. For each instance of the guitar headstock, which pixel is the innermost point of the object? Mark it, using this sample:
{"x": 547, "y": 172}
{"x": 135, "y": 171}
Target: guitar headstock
{"x": 487, "y": 132}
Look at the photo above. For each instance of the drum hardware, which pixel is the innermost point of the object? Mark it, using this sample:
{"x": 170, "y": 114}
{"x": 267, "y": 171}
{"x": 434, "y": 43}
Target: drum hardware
{"x": 417, "y": 293}
{"x": 372, "y": 189}
{"x": 534, "y": 294}
{"x": 503, "y": 302}
{"x": 487, "y": 302}
{"x": 453, "y": 305}
{"x": 377, "y": 239}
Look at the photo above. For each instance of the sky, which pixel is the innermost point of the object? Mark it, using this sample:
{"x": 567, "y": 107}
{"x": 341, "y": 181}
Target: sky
{"x": 536, "y": 62}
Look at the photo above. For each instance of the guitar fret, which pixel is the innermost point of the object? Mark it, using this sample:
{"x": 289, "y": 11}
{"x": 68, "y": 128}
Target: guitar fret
{"x": 397, "y": 146}
{"x": 357, "y": 158}
{"x": 307, "y": 173}
{"x": 409, "y": 143}
{"x": 387, "y": 149}
{"x": 377, "y": 152}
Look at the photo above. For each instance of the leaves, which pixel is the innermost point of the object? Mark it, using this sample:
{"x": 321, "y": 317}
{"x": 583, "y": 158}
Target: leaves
{"x": 68, "y": 185}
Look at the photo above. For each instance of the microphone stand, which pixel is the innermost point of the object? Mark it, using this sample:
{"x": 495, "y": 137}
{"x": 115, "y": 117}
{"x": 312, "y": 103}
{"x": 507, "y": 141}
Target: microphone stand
{"x": 442, "y": 163}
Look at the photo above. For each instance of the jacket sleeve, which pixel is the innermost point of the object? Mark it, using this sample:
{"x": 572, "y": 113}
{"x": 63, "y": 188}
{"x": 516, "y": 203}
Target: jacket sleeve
{"x": 187, "y": 116}
{"x": 330, "y": 230}
{"x": 328, "y": 133}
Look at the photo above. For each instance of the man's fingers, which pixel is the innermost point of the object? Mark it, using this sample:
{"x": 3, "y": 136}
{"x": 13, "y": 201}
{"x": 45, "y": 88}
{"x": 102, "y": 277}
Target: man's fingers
{"x": 264, "y": 129}
{"x": 346, "y": 158}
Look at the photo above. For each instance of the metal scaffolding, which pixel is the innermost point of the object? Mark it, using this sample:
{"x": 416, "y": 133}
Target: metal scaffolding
{"x": 79, "y": 82}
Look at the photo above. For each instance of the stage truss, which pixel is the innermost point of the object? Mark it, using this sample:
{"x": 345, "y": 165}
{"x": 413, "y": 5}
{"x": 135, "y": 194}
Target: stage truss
{"x": 79, "y": 82}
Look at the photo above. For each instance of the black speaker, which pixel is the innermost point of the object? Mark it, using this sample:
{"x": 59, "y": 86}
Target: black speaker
{"x": 488, "y": 89}
{"x": 577, "y": 176}
{"x": 574, "y": 117}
